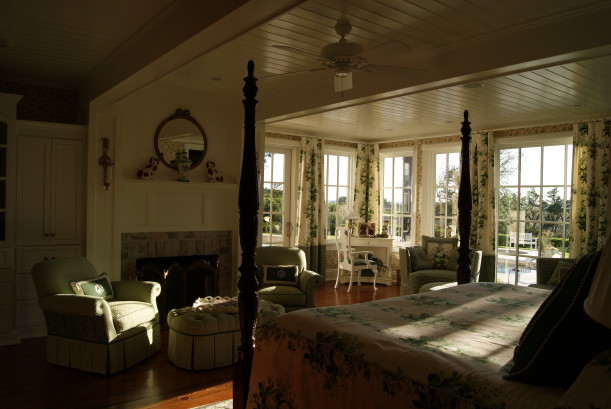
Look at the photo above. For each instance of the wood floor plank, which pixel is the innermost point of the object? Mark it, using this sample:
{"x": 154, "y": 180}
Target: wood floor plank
{"x": 29, "y": 382}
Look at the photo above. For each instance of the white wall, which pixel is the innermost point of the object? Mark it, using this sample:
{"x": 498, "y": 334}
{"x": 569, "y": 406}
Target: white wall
{"x": 163, "y": 204}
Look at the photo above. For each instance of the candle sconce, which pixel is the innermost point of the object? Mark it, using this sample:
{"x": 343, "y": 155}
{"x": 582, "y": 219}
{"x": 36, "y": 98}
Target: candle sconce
{"x": 106, "y": 162}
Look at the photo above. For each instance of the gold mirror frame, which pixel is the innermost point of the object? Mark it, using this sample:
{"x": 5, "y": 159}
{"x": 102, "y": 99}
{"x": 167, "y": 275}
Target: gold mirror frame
{"x": 196, "y": 155}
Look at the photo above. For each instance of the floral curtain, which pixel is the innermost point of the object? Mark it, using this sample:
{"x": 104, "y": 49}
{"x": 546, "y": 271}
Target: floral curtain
{"x": 590, "y": 183}
{"x": 310, "y": 221}
{"x": 482, "y": 184}
{"x": 366, "y": 189}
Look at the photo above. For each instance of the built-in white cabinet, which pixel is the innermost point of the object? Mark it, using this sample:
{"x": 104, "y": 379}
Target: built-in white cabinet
{"x": 30, "y": 318}
{"x": 50, "y": 208}
{"x": 49, "y": 190}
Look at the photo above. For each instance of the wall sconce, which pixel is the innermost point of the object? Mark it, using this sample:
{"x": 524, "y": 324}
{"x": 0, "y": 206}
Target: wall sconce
{"x": 105, "y": 161}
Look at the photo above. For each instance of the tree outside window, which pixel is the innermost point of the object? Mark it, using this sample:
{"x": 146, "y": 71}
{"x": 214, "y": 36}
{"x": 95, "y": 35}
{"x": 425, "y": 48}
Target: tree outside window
{"x": 336, "y": 187}
{"x": 397, "y": 195}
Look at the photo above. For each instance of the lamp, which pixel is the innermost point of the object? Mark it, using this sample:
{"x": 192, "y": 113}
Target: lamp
{"x": 105, "y": 161}
{"x": 351, "y": 218}
{"x": 598, "y": 303}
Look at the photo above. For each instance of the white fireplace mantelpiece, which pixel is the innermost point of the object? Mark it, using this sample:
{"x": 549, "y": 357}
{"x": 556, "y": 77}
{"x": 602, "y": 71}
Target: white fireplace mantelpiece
{"x": 174, "y": 206}
{"x": 170, "y": 218}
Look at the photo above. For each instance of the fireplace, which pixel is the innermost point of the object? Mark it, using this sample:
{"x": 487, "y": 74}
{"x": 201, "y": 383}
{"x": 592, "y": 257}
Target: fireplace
{"x": 183, "y": 279}
{"x": 149, "y": 245}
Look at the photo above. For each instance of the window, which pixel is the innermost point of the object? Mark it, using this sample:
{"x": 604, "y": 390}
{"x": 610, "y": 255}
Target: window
{"x": 337, "y": 190}
{"x": 533, "y": 211}
{"x": 396, "y": 200}
{"x": 447, "y": 179}
{"x": 276, "y": 197}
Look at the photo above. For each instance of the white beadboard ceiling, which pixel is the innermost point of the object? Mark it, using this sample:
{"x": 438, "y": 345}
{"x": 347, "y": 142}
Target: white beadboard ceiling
{"x": 537, "y": 61}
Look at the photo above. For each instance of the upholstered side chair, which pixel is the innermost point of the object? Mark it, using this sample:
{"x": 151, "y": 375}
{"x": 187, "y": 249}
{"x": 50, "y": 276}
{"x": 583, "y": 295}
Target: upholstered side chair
{"x": 284, "y": 277}
{"x": 93, "y": 324}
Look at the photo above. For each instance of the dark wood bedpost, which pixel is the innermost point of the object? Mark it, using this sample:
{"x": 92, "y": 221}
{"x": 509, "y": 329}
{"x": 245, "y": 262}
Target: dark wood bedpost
{"x": 465, "y": 205}
{"x": 248, "y": 202}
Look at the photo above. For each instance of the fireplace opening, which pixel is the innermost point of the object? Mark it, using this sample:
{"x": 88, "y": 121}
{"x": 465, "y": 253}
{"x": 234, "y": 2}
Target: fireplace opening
{"x": 183, "y": 279}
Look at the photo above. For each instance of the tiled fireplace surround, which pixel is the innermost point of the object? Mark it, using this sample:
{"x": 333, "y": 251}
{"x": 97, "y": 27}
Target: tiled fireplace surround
{"x": 168, "y": 244}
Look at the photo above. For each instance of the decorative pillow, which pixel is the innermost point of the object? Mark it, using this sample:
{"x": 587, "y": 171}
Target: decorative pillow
{"x": 419, "y": 259}
{"x": 284, "y": 274}
{"x": 559, "y": 272}
{"x": 97, "y": 287}
{"x": 441, "y": 251}
{"x": 561, "y": 338}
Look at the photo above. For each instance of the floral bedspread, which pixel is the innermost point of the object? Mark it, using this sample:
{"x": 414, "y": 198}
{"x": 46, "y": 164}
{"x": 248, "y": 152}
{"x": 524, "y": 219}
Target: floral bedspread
{"x": 441, "y": 349}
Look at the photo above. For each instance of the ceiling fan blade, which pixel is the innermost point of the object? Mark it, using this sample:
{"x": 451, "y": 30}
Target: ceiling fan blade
{"x": 386, "y": 51}
{"x": 291, "y": 73}
{"x": 296, "y": 50}
{"x": 391, "y": 70}
{"x": 341, "y": 84}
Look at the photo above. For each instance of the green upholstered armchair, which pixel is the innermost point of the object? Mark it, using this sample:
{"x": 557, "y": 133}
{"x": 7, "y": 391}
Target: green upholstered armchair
{"x": 551, "y": 270}
{"x": 295, "y": 293}
{"x": 113, "y": 329}
{"x": 414, "y": 280}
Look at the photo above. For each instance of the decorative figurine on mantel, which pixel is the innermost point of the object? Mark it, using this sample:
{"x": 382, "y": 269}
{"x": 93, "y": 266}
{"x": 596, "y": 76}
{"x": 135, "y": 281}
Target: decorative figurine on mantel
{"x": 148, "y": 171}
{"x": 183, "y": 164}
{"x": 213, "y": 174}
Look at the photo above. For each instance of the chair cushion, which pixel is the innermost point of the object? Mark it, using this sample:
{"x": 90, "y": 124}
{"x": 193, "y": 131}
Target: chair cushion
{"x": 419, "y": 259}
{"x": 441, "y": 251}
{"x": 361, "y": 262}
{"x": 129, "y": 314}
{"x": 96, "y": 287}
{"x": 283, "y": 274}
{"x": 561, "y": 338}
{"x": 283, "y": 295}
{"x": 559, "y": 272}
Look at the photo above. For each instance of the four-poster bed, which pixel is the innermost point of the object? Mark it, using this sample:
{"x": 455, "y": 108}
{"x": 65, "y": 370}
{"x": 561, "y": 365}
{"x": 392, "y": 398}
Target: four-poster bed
{"x": 442, "y": 349}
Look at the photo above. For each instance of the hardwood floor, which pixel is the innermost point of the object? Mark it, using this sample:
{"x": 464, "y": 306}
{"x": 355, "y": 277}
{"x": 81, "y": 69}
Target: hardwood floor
{"x": 29, "y": 382}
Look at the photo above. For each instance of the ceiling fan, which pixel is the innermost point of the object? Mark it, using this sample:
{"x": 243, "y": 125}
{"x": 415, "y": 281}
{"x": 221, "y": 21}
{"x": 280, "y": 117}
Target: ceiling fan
{"x": 345, "y": 57}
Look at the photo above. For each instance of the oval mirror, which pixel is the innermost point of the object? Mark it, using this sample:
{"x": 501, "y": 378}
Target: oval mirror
{"x": 180, "y": 132}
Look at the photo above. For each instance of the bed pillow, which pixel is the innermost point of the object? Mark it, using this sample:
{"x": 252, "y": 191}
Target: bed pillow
{"x": 559, "y": 272}
{"x": 419, "y": 259}
{"x": 283, "y": 274}
{"x": 561, "y": 338}
{"x": 441, "y": 251}
{"x": 591, "y": 388}
{"x": 97, "y": 287}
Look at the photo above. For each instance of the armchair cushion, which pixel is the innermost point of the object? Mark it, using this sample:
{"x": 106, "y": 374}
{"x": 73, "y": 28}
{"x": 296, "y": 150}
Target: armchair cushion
{"x": 96, "y": 287}
{"x": 559, "y": 272}
{"x": 419, "y": 259}
{"x": 129, "y": 314}
{"x": 283, "y": 274}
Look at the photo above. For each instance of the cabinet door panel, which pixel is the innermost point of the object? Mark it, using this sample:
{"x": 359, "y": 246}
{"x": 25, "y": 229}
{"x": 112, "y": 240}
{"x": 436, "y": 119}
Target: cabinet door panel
{"x": 33, "y": 193}
{"x": 66, "y": 192}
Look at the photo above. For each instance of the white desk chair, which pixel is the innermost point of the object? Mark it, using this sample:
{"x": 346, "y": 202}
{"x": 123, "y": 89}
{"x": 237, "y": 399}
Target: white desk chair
{"x": 352, "y": 260}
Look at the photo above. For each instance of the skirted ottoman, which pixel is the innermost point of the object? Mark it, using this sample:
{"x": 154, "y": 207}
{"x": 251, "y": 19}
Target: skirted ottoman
{"x": 207, "y": 335}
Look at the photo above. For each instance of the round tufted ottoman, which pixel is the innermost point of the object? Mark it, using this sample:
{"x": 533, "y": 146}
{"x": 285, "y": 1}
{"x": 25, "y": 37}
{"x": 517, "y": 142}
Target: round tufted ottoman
{"x": 207, "y": 335}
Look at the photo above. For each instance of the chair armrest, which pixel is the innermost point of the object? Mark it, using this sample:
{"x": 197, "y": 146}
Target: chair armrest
{"x": 78, "y": 316}
{"x": 73, "y": 304}
{"x": 130, "y": 290}
{"x": 309, "y": 281}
